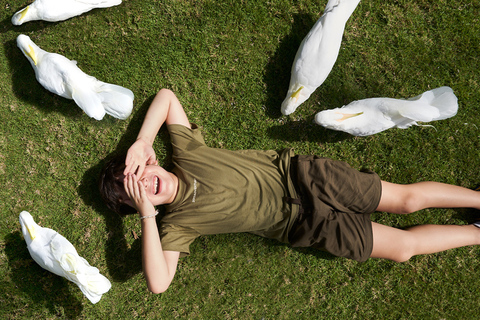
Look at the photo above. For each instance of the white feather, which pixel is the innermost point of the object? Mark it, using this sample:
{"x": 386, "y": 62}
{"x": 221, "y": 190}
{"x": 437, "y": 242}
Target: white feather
{"x": 317, "y": 53}
{"x": 56, "y": 254}
{"x": 370, "y": 116}
{"x": 58, "y": 10}
{"x": 61, "y": 76}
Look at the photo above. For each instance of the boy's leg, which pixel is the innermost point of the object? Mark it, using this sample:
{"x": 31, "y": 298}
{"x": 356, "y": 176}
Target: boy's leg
{"x": 407, "y": 198}
{"x": 400, "y": 245}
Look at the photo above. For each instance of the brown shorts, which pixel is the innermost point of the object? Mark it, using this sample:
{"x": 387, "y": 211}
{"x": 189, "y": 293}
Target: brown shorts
{"x": 336, "y": 202}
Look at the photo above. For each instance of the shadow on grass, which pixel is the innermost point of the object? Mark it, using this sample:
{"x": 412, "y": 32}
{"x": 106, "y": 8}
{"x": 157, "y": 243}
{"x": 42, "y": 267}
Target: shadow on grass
{"x": 42, "y": 287}
{"x": 306, "y": 130}
{"x": 304, "y": 250}
{"x": 6, "y": 25}
{"x": 123, "y": 261}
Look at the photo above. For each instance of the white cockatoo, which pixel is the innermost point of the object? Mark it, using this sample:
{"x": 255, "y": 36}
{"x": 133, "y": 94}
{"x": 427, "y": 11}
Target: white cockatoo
{"x": 317, "y": 53}
{"x": 370, "y": 116}
{"x": 56, "y": 254}
{"x": 61, "y": 76}
{"x": 58, "y": 10}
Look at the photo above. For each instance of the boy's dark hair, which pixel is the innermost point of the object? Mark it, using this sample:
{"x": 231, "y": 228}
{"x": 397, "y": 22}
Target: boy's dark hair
{"x": 111, "y": 186}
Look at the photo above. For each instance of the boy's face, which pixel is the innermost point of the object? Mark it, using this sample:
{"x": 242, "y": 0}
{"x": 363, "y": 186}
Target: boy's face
{"x": 160, "y": 185}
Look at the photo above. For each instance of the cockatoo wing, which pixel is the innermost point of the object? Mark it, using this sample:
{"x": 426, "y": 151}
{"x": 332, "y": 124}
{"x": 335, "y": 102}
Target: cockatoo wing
{"x": 88, "y": 101}
{"x": 92, "y": 283}
{"x": 116, "y": 100}
{"x": 100, "y": 3}
{"x": 38, "y": 249}
{"x": 52, "y": 72}
{"x": 441, "y": 98}
{"x": 419, "y": 112}
{"x": 78, "y": 270}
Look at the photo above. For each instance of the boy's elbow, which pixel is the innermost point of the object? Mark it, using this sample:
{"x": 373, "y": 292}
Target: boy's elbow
{"x": 165, "y": 91}
{"x": 158, "y": 288}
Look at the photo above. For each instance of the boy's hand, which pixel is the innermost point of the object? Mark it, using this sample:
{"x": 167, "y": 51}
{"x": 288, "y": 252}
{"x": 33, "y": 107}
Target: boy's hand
{"x": 136, "y": 192}
{"x": 139, "y": 155}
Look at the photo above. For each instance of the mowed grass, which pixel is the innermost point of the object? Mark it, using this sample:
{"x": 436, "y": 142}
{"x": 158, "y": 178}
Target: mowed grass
{"x": 229, "y": 63}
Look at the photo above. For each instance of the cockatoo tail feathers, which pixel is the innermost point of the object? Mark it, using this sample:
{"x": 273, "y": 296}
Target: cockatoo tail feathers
{"x": 90, "y": 104}
{"x": 419, "y": 112}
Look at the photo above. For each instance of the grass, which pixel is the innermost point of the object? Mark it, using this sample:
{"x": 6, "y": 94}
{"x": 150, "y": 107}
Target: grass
{"x": 229, "y": 63}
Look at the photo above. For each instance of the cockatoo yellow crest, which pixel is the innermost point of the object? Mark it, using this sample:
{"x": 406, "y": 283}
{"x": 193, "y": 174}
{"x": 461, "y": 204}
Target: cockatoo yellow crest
{"x": 56, "y": 254}
{"x": 317, "y": 53}
{"x": 61, "y": 76}
{"x": 58, "y": 10}
{"x": 370, "y": 116}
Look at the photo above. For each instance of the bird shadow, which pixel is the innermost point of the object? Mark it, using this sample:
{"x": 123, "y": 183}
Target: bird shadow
{"x": 306, "y": 130}
{"x": 7, "y": 25}
{"x": 123, "y": 260}
{"x": 41, "y": 286}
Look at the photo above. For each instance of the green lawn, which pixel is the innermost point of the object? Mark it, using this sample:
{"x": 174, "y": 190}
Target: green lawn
{"x": 229, "y": 63}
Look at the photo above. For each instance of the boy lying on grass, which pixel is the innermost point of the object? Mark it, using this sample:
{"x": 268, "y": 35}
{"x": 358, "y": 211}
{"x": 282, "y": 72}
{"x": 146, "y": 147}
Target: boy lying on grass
{"x": 306, "y": 201}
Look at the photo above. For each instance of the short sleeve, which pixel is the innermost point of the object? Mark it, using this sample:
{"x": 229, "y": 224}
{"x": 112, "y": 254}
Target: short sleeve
{"x": 184, "y": 138}
{"x": 177, "y": 238}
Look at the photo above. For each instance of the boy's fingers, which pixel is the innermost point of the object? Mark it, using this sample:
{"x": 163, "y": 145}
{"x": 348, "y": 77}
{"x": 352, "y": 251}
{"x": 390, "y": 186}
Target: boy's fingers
{"x": 141, "y": 189}
{"x": 130, "y": 168}
{"x": 126, "y": 186}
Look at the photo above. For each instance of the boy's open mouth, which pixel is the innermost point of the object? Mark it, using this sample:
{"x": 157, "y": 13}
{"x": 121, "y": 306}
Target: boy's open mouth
{"x": 156, "y": 185}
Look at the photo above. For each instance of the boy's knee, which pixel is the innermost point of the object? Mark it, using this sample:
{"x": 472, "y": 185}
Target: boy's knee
{"x": 403, "y": 256}
{"x": 410, "y": 202}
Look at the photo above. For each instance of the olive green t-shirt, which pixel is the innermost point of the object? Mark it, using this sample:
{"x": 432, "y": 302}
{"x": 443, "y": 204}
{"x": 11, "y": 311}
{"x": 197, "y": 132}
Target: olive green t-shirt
{"x": 223, "y": 191}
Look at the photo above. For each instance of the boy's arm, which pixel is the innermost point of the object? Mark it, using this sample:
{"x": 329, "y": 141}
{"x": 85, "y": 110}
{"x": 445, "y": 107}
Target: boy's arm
{"x": 165, "y": 108}
{"x": 159, "y": 266}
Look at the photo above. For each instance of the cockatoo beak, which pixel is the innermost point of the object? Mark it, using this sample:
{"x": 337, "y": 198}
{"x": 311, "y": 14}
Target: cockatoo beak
{"x": 31, "y": 54}
{"x": 346, "y": 116}
{"x": 296, "y": 94}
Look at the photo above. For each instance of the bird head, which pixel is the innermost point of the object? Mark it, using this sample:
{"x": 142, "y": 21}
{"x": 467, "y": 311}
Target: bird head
{"x": 19, "y": 16}
{"x": 28, "y": 48}
{"x": 292, "y": 101}
{"x": 29, "y": 227}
